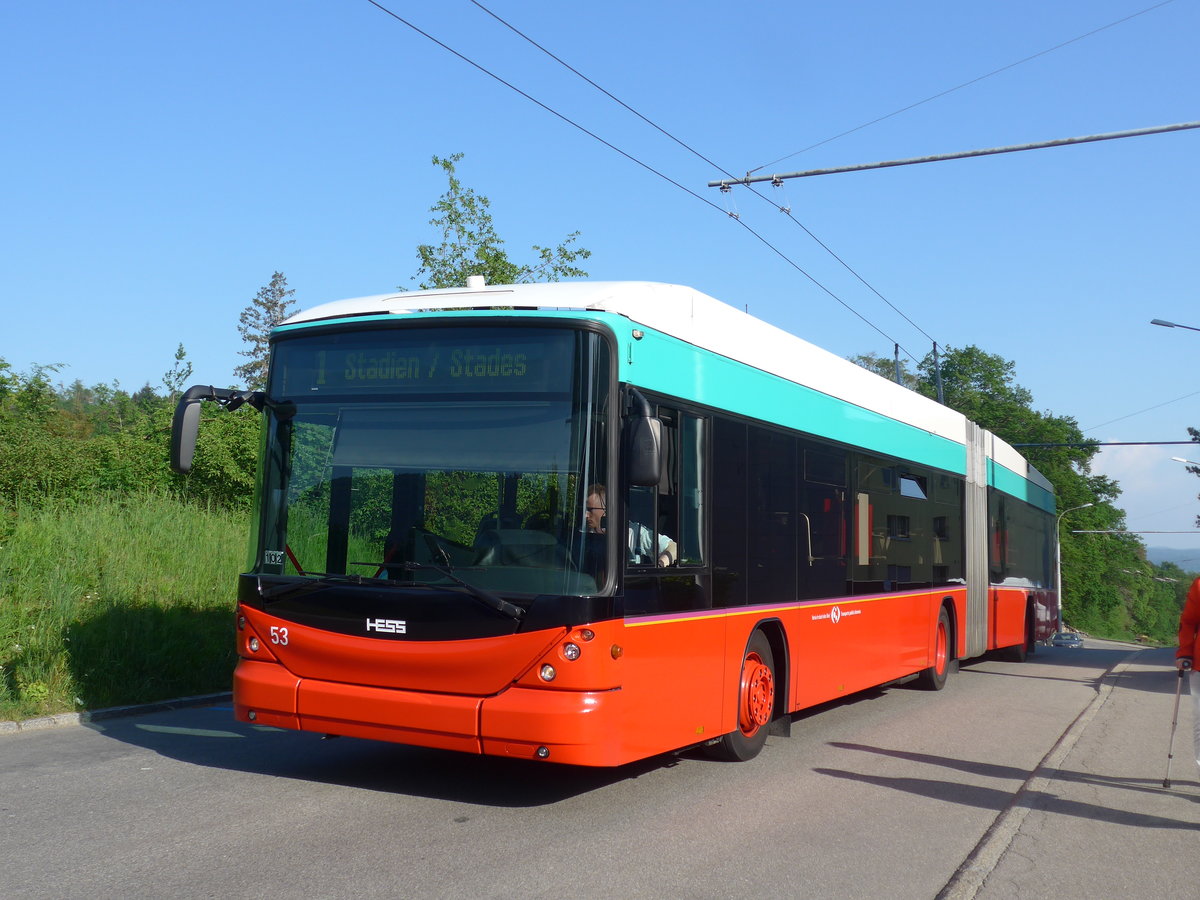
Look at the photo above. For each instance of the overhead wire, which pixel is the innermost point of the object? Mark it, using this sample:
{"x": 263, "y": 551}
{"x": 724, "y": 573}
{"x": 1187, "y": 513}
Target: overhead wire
{"x": 959, "y": 87}
{"x": 854, "y": 272}
{"x": 1140, "y": 411}
{"x": 849, "y": 268}
{"x": 787, "y": 211}
{"x": 634, "y": 160}
{"x": 606, "y": 93}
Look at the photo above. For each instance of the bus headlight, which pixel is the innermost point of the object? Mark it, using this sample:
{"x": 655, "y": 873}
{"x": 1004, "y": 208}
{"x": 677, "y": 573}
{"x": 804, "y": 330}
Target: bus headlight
{"x": 571, "y": 651}
{"x": 547, "y": 673}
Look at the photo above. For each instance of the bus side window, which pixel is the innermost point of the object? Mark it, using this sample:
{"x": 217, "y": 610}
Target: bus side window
{"x": 728, "y": 512}
{"x": 690, "y": 534}
{"x": 665, "y": 525}
{"x": 642, "y": 536}
{"x": 665, "y": 522}
{"x": 667, "y": 510}
{"x": 775, "y": 532}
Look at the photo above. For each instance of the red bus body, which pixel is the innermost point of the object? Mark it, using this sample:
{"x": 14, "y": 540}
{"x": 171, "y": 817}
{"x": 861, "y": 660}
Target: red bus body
{"x": 606, "y": 708}
{"x": 421, "y": 575}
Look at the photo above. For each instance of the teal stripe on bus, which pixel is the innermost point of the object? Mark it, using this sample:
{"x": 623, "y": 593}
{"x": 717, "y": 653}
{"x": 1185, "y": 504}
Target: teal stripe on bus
{"x": 668, "y": 365}
{"x": 1004, "y": 479}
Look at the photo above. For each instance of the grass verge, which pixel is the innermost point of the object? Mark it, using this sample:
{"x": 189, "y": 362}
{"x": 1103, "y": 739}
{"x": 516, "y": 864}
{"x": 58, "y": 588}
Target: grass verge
{"x": 114, "y": 601}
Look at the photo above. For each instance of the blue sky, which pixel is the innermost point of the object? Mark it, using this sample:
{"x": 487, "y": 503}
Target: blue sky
{"x": 162, "y": 159}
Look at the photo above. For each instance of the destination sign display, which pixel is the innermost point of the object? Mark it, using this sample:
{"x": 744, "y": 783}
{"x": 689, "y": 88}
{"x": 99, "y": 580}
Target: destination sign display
{"x": 427, "y": 360}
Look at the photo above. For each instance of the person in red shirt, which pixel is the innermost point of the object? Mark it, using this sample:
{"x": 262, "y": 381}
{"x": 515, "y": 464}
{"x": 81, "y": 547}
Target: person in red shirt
{"x": 1186, "y": 655}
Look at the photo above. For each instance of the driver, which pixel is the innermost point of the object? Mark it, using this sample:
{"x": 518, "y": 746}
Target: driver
{"x": 640, "y": 540}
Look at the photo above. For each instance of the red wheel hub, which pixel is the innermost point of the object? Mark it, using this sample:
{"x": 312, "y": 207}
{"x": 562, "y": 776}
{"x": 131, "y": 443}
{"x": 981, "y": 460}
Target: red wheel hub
{"x": 941, "y": 651}
{"x": 757, "y": 695}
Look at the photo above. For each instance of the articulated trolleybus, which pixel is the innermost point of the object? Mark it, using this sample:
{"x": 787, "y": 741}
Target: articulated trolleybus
{"x": 594, "y": 522}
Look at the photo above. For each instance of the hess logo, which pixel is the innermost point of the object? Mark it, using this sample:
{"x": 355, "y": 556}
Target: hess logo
{"x": 387, "y": 626}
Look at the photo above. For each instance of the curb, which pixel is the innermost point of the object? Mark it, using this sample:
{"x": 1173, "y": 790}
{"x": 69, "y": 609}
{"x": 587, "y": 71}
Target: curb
{"x": 113, "y": 712}
{"x": 982, "y": 861}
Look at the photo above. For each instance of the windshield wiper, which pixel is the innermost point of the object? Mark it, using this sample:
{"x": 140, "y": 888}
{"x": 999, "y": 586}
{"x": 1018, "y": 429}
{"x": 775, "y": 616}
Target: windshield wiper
{"x": 486, "y": 597}
{"x": 497, "y": 603}
{"x": 323, "y": 580}
{"x": 327, "y": 579}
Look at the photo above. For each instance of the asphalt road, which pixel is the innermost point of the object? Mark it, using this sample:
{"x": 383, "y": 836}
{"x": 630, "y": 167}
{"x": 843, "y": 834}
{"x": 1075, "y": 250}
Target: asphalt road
{"x": 882, "y": 795}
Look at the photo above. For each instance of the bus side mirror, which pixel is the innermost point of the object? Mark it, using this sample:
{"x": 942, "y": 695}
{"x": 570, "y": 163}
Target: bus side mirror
{"x": 643, "y": 444}
{"x": 186, "y": 425}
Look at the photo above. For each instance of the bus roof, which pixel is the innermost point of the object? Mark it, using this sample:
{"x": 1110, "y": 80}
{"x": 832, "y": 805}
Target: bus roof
{"x": 701, "y": 320}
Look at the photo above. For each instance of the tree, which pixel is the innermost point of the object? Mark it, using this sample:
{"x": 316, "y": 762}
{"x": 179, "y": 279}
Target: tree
{"x": 43, "y": 453}
{"x": 270, "y": 306}
{"x": 886, "y": 368}
{"x": 471, "y": 246}
{"x": 178, "y": 376}
{"x": 981, "y": 386}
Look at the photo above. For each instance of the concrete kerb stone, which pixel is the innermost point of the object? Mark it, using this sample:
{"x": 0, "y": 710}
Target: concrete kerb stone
{"x": 980, "y": 863}
{"x": 98, "y": 715}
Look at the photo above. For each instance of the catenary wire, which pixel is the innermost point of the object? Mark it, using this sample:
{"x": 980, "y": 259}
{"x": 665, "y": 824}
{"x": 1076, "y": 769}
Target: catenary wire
{"x": 1140, "y": 411}
{"x": 716, "y": 166}
{"x": 639, "y": 162}
{"x": 606, "y": 93}
{"x": 959, "y": 87}
{"x": 852, "y": 271}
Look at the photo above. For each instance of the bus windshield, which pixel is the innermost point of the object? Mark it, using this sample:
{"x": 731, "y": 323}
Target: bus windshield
{"x": 436, "y": 456}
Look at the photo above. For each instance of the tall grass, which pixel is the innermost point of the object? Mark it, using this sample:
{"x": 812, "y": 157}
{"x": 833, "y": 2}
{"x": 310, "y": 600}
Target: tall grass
{"x": 115, "y": 600}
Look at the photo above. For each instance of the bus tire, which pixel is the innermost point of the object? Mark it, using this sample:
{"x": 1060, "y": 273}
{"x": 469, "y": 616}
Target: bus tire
{"x": 1017, "y": 652}
{"x": 755, "y": 704}
{"x": 934, "y": 678}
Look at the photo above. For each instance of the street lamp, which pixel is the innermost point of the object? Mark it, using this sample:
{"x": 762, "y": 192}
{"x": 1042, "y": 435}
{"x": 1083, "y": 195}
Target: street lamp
{"x": 1165, "y": 324}
{"x": 1058, "y": 556}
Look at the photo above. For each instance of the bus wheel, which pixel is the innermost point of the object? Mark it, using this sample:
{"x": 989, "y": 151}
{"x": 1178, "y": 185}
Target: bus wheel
{"x": 934, "y": 678}
{"x": 1017, "y": 652}
{"x": 756, "y": 704}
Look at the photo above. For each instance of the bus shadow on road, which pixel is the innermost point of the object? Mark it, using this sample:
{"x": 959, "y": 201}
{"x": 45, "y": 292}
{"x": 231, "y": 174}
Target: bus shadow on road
{"x": 1152, "y": 670}
{"x": 997, "y": 799}
{"x": 210, "y": 737}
